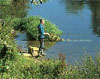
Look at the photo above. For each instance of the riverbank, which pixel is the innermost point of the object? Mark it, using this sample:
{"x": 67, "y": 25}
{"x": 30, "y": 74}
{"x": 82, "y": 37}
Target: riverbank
{"x": 19, "y": 67}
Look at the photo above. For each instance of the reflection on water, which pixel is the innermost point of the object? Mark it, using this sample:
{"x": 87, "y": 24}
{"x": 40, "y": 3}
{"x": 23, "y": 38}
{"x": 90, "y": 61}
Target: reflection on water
{"x": 77, "y": 6}
{"x": 73, "y": 6}
{"x": 95, "y": 9}
{"x": 23, "y": 43}
{"x": 38, "y": 2}
{"x": 78, "y": 20}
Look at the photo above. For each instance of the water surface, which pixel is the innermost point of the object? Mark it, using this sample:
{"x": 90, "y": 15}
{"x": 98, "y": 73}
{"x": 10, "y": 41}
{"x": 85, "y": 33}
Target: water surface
{"x": 79, "y": 20}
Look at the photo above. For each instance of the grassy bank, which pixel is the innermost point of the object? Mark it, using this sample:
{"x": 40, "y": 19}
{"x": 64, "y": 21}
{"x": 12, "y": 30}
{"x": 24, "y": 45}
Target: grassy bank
{"x": 29, "y": 68}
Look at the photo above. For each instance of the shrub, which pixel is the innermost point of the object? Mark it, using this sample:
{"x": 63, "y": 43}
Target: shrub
{"x": 6, "y": 36}
{"x": 30, "y": 26}
{"x": 5, "y": 2}
{"x": 7, "y": 44}
{"x": 29, "y": 68}
{"x": 87, "y": 69}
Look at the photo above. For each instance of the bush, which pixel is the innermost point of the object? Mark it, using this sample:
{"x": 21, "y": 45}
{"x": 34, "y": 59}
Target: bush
{"x": 5, "y": 2}
{"x": 7, "y": 44}
{"x": 29, "y": 68}
{"x": 6, "y": 36}
{"x": 30, "y": 26}
{"x": 87, "y": 69}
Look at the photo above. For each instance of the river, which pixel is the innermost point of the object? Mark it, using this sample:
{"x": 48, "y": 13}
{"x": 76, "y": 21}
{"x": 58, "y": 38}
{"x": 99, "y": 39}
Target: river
{"x": 79, "y": 22}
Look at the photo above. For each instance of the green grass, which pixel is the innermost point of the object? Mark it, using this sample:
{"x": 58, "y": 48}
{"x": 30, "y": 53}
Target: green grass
{"x": 30, "y": 68}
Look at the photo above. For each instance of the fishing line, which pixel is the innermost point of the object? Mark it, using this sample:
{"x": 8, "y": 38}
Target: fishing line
{"x": 71, "y": 39}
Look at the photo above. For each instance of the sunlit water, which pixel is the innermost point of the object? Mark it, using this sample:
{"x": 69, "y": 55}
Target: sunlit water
{"x": 77, "y": 28}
